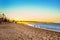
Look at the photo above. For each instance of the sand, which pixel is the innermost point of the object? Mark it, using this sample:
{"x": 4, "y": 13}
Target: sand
{"x": 13, "y": 31}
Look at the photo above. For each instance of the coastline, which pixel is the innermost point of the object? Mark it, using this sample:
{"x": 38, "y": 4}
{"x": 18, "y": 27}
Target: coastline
{"x": 15, "y": 31}
{"x": 38, "y": 26}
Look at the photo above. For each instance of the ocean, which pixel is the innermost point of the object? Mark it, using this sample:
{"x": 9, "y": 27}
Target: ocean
{"x": 52, "y": 27}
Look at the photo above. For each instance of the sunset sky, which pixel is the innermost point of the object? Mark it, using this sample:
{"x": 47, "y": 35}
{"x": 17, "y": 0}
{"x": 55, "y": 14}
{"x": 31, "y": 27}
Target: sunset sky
{"x": 36, "y": 10}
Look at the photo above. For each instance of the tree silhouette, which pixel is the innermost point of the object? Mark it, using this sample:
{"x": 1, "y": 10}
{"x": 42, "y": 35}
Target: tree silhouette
{"x": 4, "y": 18}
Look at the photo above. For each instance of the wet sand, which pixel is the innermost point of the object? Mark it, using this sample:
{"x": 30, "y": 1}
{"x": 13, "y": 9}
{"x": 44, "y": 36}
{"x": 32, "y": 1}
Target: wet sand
{"x": 13, "y": 31}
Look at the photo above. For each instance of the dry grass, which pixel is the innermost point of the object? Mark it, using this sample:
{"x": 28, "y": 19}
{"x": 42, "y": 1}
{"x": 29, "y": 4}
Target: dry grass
{"x": 14, "y": 31}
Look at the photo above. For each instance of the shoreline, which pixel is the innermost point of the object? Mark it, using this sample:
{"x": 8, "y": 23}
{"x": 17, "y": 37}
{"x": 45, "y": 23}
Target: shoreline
{"x": 13, "y": 31}
{"x": 36, "y": 26}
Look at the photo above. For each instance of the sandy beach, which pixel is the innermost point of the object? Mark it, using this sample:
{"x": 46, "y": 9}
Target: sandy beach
{"x": 13, "y": 31}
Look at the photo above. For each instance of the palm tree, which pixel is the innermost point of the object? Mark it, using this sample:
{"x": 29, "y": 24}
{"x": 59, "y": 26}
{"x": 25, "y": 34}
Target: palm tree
{"x": 4, "y": 18}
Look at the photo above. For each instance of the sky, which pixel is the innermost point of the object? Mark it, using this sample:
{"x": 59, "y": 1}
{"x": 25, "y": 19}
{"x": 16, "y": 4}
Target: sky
{"x": 36, "y": 10}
